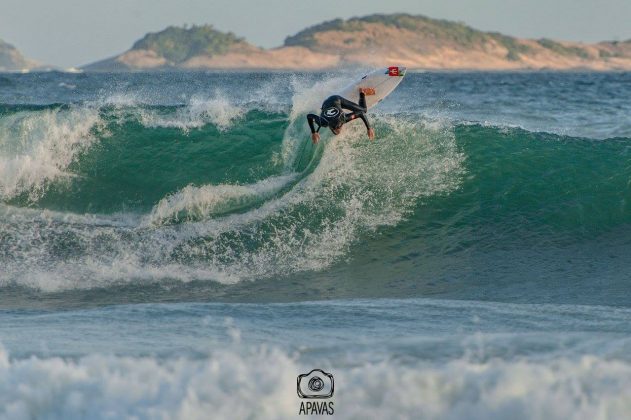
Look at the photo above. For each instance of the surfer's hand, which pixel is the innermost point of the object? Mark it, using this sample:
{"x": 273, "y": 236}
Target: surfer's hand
{"x": 315, "y": 138}
{"x": 371, "y": 133}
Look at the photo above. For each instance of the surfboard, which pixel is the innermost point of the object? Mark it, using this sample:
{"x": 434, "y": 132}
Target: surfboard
{"x": 376, "y": 85}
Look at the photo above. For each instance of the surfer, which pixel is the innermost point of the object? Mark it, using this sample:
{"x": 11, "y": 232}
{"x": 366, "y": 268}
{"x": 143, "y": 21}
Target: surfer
{"x": 334, "y": 117}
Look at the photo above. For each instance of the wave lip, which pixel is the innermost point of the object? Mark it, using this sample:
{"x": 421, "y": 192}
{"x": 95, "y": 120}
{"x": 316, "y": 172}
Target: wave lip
{"x": 197, "y": 113}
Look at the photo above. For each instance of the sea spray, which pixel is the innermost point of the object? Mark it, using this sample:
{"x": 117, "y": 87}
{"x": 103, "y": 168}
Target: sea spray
{"x": 36, "y": 148}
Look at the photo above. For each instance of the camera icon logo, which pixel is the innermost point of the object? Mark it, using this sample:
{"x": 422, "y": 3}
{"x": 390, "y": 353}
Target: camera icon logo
{"x": 315, "y": 384}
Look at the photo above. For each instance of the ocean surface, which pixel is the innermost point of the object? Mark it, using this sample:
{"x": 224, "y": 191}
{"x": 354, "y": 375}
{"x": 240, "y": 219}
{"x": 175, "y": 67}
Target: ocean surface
{"x": 173, "y": 246}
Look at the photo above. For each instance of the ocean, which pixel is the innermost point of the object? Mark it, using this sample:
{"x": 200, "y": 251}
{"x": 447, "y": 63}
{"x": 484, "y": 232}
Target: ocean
{"x": 173, "y": 246}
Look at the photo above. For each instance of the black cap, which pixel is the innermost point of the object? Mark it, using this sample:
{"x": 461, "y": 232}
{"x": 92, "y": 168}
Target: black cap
{"x": 333, "y": 116}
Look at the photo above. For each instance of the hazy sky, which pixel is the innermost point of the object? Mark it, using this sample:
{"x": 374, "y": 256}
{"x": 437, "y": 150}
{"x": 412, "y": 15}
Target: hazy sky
{"x": 76, "y": 32}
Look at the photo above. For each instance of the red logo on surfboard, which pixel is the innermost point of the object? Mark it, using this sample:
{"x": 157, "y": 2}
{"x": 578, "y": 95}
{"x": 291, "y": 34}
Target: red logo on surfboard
{"x": 393, "y": 71}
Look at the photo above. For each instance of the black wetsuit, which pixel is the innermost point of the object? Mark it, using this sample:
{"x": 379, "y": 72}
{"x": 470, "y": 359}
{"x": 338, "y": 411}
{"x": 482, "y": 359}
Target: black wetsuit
{"x": 333, "y": 116}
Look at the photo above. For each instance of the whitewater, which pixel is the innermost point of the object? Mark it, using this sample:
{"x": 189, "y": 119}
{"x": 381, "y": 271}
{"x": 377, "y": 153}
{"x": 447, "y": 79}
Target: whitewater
{"x": 173, "y": 246}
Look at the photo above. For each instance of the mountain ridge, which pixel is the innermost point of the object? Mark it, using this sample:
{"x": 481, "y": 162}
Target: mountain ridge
{"x": 416, "y": 41}
{"x": 12, "y": 60}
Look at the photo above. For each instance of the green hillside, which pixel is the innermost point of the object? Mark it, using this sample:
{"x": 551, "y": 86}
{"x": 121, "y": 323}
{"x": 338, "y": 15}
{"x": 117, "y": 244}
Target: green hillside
{"x": 178, "y": 44}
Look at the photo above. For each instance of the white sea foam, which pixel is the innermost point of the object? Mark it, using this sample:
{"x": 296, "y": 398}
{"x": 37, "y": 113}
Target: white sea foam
{"x": 199, "y": 111}
{"x": 38, "y": 147}
{"x": 261, "y": 383}
{"x": 194, "y": 203}
{"x": 218, "y": 110}
{"x": 30, "y": 215}
{"x": 119, "y": 100}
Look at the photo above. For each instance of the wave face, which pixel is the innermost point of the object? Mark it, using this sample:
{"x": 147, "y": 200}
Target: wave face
{"x": 117, "y": 191}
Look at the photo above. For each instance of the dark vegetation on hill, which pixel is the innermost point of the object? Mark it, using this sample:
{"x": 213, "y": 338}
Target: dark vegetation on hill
{"x": 439, "y": 30}
{"x": 178, "y": 44}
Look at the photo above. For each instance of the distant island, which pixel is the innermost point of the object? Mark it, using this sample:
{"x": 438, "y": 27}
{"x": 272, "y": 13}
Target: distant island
{"x": 12, "y": 60}
{"x": 417, "y": 42}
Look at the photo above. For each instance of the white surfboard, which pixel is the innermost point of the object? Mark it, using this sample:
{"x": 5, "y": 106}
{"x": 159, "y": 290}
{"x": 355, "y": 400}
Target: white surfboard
{"x": 377, "y": 85}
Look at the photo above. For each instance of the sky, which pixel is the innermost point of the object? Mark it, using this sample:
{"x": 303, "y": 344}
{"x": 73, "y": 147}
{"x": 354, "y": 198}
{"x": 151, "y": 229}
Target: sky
{"x": 76, "y": 32}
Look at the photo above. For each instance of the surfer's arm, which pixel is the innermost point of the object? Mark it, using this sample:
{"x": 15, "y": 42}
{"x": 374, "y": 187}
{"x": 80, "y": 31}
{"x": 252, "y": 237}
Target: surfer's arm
{"x": 314, "y": 119}
{"x": 354, "y": 115}
{"x": 371, "y": 132}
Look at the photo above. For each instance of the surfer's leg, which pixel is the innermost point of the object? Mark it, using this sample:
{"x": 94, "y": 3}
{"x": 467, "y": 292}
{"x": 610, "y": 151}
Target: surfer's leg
{"x": 346, "y": 104}
{"x": 362, "y": 100}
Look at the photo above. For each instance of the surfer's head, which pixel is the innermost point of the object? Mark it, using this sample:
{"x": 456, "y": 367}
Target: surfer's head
{"x": 334, "y": 119}
{"x": 335, "y": 124}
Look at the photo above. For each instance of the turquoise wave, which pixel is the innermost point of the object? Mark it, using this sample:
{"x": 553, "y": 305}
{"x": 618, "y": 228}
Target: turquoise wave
{"x": 539, "y": 183}
{"x": 133, "y": 193}
{"x": 541, "y": 179}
